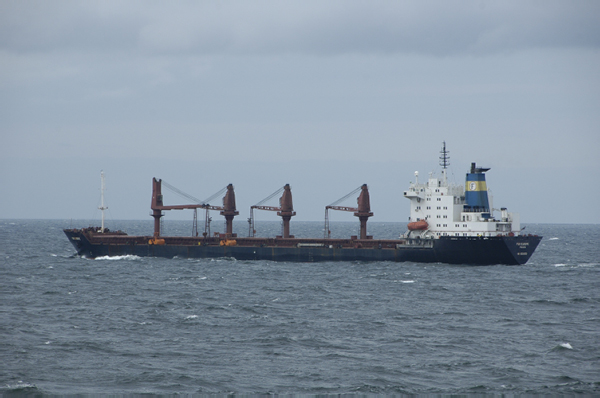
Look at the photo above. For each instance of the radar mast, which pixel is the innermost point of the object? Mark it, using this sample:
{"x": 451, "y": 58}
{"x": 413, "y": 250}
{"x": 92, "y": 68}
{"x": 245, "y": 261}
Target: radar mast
{"x": 444, "y": 160}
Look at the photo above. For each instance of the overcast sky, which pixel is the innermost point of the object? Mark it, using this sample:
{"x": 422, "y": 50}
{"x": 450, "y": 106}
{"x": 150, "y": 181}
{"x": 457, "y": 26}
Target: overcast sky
{"x": 323, "y": 95}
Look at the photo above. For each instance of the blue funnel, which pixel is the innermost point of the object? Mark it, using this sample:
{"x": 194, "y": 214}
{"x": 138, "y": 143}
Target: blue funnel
{"x": 476, "y": 190}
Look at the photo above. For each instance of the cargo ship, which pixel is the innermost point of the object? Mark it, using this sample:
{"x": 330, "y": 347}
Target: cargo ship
{"x": 448, "y": 223}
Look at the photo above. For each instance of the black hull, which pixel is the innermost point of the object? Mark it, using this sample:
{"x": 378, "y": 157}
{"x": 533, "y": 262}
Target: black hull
{"x": 450, "y": 250}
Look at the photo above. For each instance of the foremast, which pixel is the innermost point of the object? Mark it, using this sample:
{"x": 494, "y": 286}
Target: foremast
{"x": 102, "y": 207}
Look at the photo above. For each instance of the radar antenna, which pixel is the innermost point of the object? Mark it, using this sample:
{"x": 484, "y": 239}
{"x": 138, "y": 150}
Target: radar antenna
{"x": 445, "y": 158}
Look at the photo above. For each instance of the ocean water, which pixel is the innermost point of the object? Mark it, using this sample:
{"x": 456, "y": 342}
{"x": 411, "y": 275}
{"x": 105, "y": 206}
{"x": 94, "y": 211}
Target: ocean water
{"x": 70, "y": 325}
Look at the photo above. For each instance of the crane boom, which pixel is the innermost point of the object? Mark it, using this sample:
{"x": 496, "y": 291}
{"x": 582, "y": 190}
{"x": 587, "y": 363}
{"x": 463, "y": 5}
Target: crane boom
{"x": 342, "y": 208}
{"x": 269, "y": 208}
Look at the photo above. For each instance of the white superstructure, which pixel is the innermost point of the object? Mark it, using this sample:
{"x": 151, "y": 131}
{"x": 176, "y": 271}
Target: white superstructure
{"x": 454, "y": 210}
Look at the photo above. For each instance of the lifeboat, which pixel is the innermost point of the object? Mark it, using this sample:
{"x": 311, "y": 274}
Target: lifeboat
{"x": 418, "y": 225}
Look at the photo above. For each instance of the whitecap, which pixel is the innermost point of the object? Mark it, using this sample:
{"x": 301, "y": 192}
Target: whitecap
{"x": 560, "y": 265}
{"x": 221, "y": 259}
{"x": 126, "y": 257}
{"x": 553, "y": 239}
{"x": 21, "y": 386}
{"x": 566, "y": 345}
{"x": 191, "y": 317}
{"x": 408, "y": 281}
{"x": 203, "y": 278}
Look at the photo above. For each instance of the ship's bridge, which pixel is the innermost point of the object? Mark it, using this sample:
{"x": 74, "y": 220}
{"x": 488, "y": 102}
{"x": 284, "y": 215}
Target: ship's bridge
{"x": 447, "y": 211}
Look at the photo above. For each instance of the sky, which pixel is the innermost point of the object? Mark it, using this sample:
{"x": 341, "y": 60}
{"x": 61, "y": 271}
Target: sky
{"x": 325, "y": 96}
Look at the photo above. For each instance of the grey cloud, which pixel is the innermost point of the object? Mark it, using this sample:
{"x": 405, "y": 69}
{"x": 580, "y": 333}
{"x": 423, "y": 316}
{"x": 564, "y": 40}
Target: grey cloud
{"x": 40, "y": 26}
{"x": 263, "y": 27}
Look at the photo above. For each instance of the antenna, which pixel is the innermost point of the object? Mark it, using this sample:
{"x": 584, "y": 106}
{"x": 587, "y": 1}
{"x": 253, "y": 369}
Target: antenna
{"x": 445, "y": 158}
{"x": 102, "y": 207}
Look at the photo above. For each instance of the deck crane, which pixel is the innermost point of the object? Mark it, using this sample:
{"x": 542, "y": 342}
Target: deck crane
{"x": 207, "y": 207}
{"x": 363, "y": 211}
{"x": 228, "y": 209}
{"x": 285, "y": 210}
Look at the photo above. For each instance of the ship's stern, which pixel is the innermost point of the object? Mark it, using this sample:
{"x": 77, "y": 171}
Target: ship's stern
{"x": 522, "y": 247}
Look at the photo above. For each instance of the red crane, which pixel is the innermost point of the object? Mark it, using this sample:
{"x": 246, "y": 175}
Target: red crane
{"x": 363, "y": 211}
{"x": 285, "y": 210}
{"x": 228, "y": 209}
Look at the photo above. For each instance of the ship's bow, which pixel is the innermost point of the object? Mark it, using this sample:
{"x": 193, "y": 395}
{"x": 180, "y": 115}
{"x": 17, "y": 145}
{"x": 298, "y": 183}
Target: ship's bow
{"x": 79, "y": 241}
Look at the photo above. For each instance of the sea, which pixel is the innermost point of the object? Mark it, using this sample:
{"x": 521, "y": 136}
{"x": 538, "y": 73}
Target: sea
{"x": 133, "y": 325}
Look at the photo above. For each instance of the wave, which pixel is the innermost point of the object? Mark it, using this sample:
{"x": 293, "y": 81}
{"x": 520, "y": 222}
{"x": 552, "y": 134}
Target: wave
{"x": 582, "y": 265}
{"x": 22, "y": 387}
{"x": 126, "y": 257}
{"x": 221, "y": 259}
{"x": 562, "y": 346}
